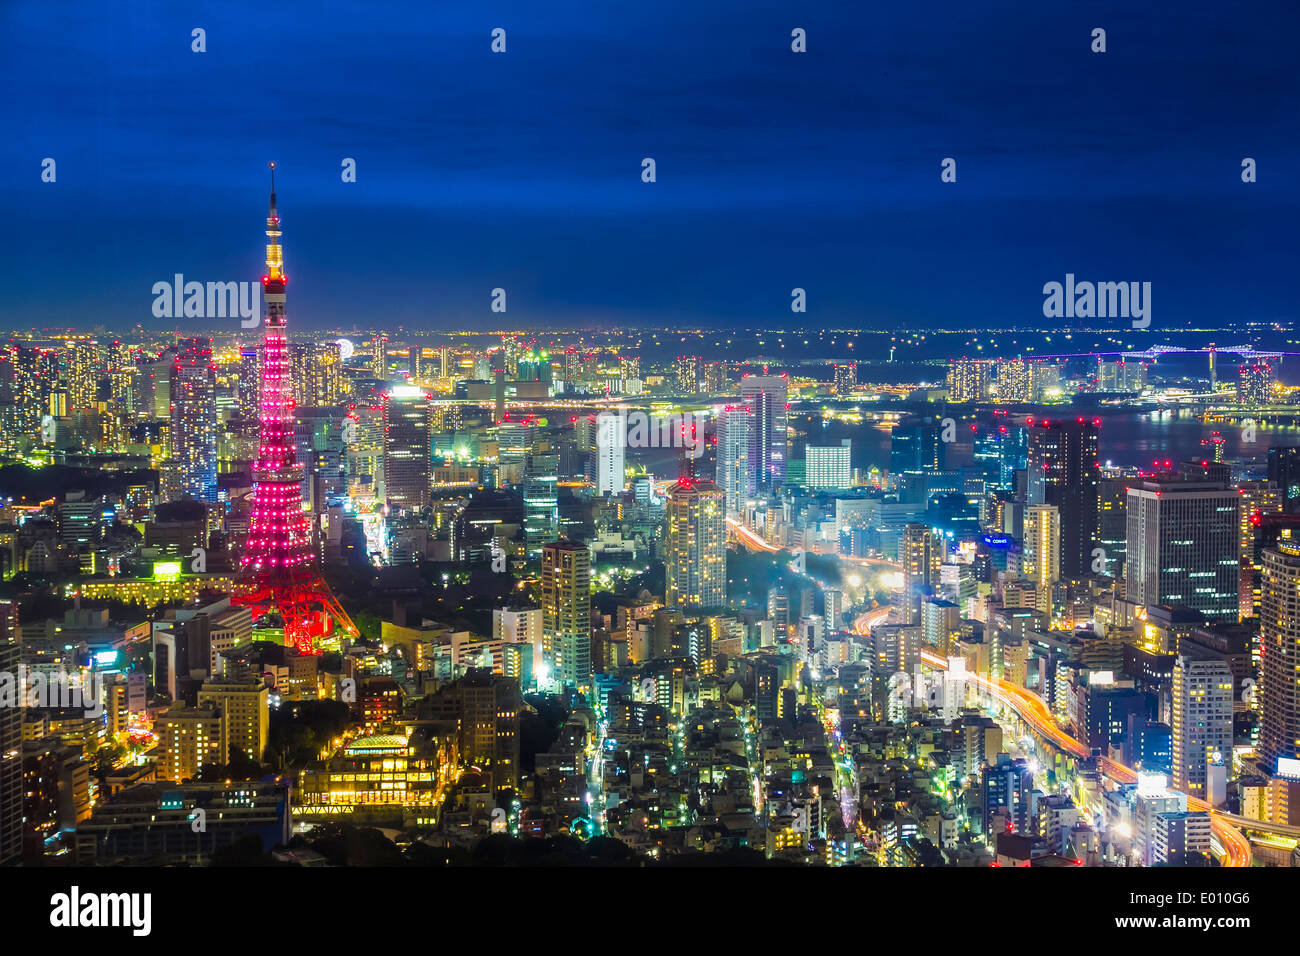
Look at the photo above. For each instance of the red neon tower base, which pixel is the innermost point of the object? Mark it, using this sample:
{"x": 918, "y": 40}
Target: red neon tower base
{"x": 278, "y": 571}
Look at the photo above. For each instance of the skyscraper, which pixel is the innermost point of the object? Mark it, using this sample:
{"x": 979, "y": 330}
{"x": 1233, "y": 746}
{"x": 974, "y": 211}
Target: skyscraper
{"x": 766, "y": 397}
{"x": 1041, "y": 554}
{"x": 1284, "y": 471}
{"x": 192, "y": 470}
{"x": 1063, "y": 471}
{"x": 407, "y": 456}
{"x": 566, "y": 611}
{"x": 921, "y": 555}
{"x": 11, "y": 757}
{"x": 1183, "y": 547}
{"x": 1279, "y": 652}
{"x": 696, "y": 546}
{"x": 610, "y": 454}
{"x": 968, "y": 380}
{"x": 733, "y": 475}
{"x": 846, "y": 379}
{"x": 1201, "y": 720}
{"x": 687, "y": 372}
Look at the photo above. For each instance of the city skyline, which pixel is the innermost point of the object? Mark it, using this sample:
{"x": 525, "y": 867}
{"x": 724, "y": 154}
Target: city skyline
{"x": 734, "y": 436}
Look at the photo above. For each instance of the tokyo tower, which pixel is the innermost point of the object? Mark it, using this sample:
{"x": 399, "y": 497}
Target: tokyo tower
{"x": 278, "y": 573}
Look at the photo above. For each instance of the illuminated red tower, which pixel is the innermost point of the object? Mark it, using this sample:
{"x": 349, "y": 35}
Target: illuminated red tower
{"x": 278, "y": 572}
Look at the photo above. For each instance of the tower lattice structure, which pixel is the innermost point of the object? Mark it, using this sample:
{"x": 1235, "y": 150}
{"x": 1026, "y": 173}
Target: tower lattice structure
{"x": 278, "y": 572}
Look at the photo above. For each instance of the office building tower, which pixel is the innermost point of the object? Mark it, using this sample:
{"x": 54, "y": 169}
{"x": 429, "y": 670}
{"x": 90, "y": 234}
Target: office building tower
{"x": 695, "y": 547}
{"x": 1279, "y": 652}
{"x": 1041, "y": 554}
{"x": 1063, "y": 471}
{"x": 11, "y": 757}
{"x": 192, "y": 469}
{"x": 735, "y": 424}
{"x": 916, "y": 445}
{"x": 1183, "y": 547}
{"x": 1284, "y": 472}
{"x": 566, "y": 611}
{"x": 1201, "y": 710}
{"x": 828, "y": 467}
{"x": 1258, "y": 500}
{"x": 245, "y": 715}
{"x": 407, "y": 454}
{"x": 541, "y": 513}
{"x": 833, "y": 608}
{"x": 921, "y": 554}
{"x": 379, "y": 356}
{"x": 766, "y": 397}
{"x": 610, "y": 452}
{"x": 1112, "y": 524}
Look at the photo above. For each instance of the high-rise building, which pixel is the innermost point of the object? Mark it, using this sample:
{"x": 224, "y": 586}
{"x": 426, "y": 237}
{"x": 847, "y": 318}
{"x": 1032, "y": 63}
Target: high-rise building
{"x": 686, "y": 371}
{"x": 828, "y": 466}
{"x": 317, "y": 372}
{"x": 245, "y": 715}
{"x": 846, "y": 379}
{"x": 379, "y": 356}
{"x": 610, "y": 452}
{"x": 1183, "y": 547}
{"x": 407, "y": 455}
{"x": 735, "y": 422}
{"x": 766, "y": 397}
{"x": 1041, "y": 555}
{"x": 1112, "y": 523}
{"x": 1063, "y": 471}
{"x": 695, "y": 548}
{"x": 1257, "y": 383}
{"x": 921, "y": 554}
{"x": 1013, "y": 381}
{"x": 968, "y": 380}
{"x": 1279, "y": 652}
{"x": 541, "y": 513}
{"x": 1006, "y": 787}
{"x": 1201, "y": 709}
{"x": 1258, "y": 500}
{"x": 11, "y": 757}
{"x": 566, "y": 611}
{"x": 916, "y": 444}
{"x": 192, "y": 469}
{"x": 1284, "y": 472}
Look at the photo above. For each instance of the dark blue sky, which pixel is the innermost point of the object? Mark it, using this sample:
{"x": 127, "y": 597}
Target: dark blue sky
{"x": 775, "y": 169}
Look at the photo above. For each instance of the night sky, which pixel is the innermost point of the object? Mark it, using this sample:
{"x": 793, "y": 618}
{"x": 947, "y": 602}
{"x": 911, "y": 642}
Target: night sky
{"x": 775, "y": 170}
